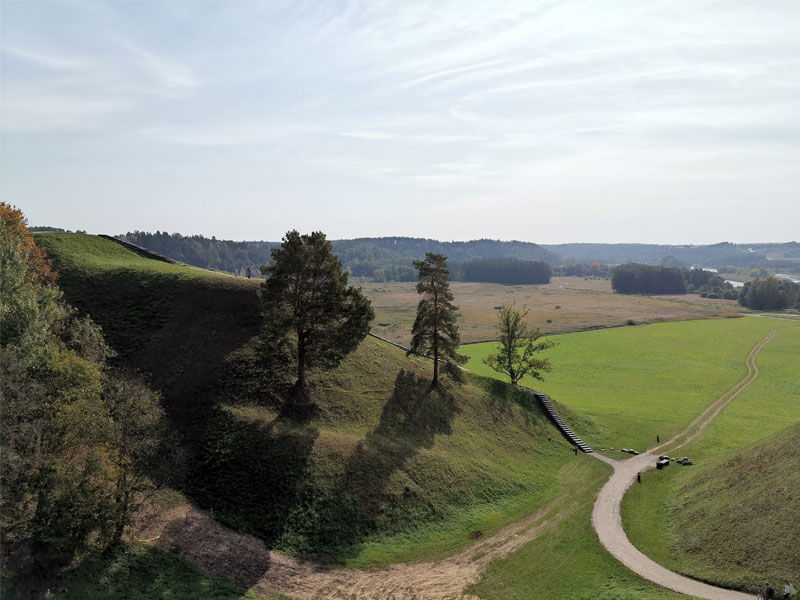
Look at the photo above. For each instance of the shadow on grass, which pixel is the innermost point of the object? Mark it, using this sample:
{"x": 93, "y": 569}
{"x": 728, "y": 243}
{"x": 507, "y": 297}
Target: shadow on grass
{"x": 133, "y": 573}
{"x": 411, "y": 419}
{"x": 264, "y": 480}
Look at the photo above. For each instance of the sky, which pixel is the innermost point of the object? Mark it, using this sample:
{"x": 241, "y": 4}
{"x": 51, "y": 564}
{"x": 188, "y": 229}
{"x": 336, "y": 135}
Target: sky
{"x": 543, "y": 121}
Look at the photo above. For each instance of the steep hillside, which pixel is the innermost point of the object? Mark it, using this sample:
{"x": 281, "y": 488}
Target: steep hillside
{"x": 736, "y": 521}
{"x": 173, "y": 322}
{"x": 384, "y": 470}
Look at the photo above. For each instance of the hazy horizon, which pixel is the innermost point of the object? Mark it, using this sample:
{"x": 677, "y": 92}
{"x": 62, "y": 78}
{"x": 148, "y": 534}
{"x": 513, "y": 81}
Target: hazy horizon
{"x": 334, "y": 239}
{"x": 657, "y": 123}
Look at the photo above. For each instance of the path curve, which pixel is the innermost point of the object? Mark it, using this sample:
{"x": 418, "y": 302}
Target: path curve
{"x": 607, "y": 518}
{"x": 247, "y": 561}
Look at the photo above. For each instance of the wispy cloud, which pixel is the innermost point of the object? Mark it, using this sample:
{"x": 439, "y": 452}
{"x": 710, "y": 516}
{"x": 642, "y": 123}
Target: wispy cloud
{"x": 534, "y": 103}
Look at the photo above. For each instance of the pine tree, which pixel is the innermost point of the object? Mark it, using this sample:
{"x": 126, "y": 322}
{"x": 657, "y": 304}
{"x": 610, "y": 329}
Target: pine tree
{"x": 308, "y": 306}
{"x": 517, "y": 348}
{"x": 435, "y": 332}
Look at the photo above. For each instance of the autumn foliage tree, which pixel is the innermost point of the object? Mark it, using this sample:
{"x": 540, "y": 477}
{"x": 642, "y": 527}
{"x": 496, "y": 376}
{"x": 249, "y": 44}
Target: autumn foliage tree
{"x": 76, "y": 448}
{"x": 518, "y": 347}
{"x": 309, "y": 306}
{"x": 435, "y": 332}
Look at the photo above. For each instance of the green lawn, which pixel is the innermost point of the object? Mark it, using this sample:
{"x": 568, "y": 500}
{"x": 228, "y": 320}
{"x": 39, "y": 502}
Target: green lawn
{"x": 643, "y": 381}
{"x": 568, "y": 560}
{"x": 722, "y": 519}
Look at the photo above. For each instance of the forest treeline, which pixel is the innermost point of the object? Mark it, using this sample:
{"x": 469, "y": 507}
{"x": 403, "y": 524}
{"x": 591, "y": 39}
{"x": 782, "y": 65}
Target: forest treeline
{"x": 391, "y": 258}
{"x": 782, "y": 256}
{"x": 637, "y": 278}
{"x": 770, "y": 294}
{"x": 385, "y": 259}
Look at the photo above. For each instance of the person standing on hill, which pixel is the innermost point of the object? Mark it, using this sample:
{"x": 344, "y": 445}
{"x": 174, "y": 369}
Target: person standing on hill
{"x": 769, "y": 593}
{"x": 788, "y": 591}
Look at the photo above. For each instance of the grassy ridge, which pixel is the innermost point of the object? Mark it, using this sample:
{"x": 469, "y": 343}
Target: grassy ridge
{"x": 387, "y": 470}
{"x": 640, "y": 382}
{"x": 732, "y": 519}
{"x": 128, "y": 295}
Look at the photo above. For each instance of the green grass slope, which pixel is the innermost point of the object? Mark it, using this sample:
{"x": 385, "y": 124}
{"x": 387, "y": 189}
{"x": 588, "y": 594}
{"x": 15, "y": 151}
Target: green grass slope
{"x": 732, "y": 518}
{"x": 172, "y": 322}
{"x": 644, "y": 381}
{"x": 385, "y": 470}
{"x": 737, "y": 522}
{"x": 129, "y": 295}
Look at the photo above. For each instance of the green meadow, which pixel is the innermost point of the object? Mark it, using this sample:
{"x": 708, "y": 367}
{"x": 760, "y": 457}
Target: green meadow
{"x": 568, "y": 561}
{"x": 732, "y": 518}
{"x": 639, "y": 382}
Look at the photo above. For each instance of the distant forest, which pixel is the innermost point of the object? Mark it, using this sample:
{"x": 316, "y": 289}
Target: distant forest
{"x": 385, "y": 259}
{"x": 637, "y": 278}
{"x": 391, "y": 258}
{"x": 785, "y": 256}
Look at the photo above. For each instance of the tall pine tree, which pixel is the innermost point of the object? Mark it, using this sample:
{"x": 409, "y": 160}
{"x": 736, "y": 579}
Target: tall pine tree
{"x": 308, "y": 305}
{"x": 435, "y": 332}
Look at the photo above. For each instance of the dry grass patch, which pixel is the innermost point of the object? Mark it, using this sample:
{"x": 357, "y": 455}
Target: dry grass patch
{"x": 565, "y": 304}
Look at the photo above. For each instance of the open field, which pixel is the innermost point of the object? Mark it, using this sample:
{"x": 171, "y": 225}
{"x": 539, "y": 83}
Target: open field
{"x": 640, "y": 382}
{"x": 731, "y": 519}
{"x": 583, "y": 304}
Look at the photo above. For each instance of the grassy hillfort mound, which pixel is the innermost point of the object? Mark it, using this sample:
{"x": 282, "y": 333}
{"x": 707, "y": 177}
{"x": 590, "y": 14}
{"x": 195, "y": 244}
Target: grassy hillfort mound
{"x": 736, "y": 521}
{"x": 384, "y": 470}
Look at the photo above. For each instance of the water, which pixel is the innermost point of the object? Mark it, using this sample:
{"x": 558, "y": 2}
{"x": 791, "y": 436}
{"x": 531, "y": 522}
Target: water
{"x": 736, "y": 284}
{"x": 785, "y": 276}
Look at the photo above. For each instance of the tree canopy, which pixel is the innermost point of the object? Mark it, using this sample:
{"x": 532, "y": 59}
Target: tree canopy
{"x": 770, "y": 294}
{"x": 518, "y": 347}
{"x": 309, "y": 307}
{"x": 68, "y": 480}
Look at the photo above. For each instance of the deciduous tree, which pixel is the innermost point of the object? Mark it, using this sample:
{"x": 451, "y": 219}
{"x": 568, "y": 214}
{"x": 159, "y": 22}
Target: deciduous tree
{"x": 518, "y": 347}
{"x": 435, "y": 332}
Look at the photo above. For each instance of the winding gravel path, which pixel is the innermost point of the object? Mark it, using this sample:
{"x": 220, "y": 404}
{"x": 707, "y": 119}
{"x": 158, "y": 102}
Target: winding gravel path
{"x": 606, "y": 516}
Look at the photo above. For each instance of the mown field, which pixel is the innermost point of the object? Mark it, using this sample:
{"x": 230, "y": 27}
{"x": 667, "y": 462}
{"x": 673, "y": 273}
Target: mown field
{"x": 569, "y": 303}
{"x": 569, "y": 562}
{"x": 645, "y": 381}
{"x": 732, "y": 518}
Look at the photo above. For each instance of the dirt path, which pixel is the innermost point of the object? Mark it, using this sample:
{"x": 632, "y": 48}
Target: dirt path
{"x": 247, "y": 561}
{"x": 606, "y": 517}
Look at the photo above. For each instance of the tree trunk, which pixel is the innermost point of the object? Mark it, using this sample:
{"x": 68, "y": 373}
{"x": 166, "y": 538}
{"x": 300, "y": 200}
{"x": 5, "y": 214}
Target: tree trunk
{"x": 435, "y": 338}
{"x": 299, "y": 394}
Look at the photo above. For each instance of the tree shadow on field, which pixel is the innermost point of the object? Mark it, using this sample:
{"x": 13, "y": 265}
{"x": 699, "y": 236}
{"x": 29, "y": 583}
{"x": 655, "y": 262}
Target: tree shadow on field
{"x": 411, "y": 419}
